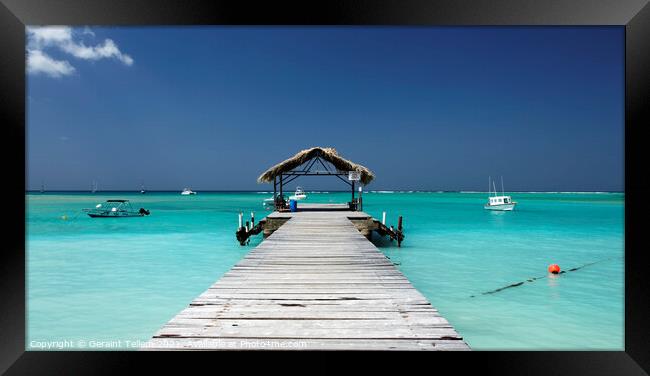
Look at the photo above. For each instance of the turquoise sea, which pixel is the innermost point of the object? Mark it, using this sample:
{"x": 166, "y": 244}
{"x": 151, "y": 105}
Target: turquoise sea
{"x": 115, "y": 282}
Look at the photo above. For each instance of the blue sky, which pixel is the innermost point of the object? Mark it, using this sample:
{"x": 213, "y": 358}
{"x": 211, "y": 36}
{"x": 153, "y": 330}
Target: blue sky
{"x": 425, "y": 108}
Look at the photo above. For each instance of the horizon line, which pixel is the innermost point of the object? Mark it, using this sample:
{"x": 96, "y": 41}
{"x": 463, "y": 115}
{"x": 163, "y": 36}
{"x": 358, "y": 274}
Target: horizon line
{"x": 314, "y": 191}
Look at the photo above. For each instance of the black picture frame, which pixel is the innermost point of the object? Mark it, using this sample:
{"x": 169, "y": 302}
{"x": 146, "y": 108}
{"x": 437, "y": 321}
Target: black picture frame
{"x": 634, "y": 15}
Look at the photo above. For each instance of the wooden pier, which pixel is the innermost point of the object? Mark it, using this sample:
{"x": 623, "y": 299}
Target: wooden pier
{"x": 362, "y": 221}
{"x": 315, "y": 283}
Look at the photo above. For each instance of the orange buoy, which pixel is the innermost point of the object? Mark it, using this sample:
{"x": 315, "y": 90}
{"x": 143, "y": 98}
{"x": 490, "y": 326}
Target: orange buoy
{"x": 554, "y": 268}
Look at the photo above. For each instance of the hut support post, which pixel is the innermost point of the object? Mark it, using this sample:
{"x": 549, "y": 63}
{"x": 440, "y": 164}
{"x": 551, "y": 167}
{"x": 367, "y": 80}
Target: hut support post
{"x": 355, "y": 208}
{"x": 399, "y": 231}
{"x": 360, "y": 198}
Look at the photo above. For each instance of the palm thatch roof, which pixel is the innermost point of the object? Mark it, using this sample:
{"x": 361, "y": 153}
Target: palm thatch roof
{"x": 328, "y": 154}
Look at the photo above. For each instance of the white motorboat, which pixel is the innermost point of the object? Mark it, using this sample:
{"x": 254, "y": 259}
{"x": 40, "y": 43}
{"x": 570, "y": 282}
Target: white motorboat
{"x": 187, "y": 191}
{"x": 502, "y": 203}
{"x": 269, "y": 203}
{"x": 115, "y": 209}
{"x": 298, "y": 195}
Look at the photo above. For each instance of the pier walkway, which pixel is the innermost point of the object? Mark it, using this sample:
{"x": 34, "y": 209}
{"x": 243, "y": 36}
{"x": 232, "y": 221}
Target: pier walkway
{"x": 316, "y": 283}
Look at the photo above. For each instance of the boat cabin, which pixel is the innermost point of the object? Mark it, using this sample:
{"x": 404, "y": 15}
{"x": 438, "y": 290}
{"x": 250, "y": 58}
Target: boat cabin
{"x": 500, "y": 200}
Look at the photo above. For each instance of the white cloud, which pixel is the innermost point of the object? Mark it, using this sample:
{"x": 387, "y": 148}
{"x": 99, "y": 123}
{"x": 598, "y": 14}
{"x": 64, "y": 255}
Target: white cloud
{"x": 39, "y": 62}
{"x": 66, "y": 40}
{"x": 88, "y": 31}
{"x": 45, "y": 36}
{"x": 102, "y": 51}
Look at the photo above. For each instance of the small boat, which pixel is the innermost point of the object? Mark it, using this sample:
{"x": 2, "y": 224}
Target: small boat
{"x": 114, "y": 209}
{"x": 187, "y": 191}
{"x": 502, "y": 203}
{"x": 298, "y": 195}
{"x": 269, "y": 203}
{"x": 142, "y": 189}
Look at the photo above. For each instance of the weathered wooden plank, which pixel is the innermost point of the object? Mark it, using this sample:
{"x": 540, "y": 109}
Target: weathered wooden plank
{"x": 309, "y": 305}
{"x": 295, "y": 331}
{"x": 296, "y": 314}
{"x": 377, "y": 322}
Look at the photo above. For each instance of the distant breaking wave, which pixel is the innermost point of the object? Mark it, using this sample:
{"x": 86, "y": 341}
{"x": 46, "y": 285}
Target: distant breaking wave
{"x": 552, "y": 192}
{"x": 569, "y": 192}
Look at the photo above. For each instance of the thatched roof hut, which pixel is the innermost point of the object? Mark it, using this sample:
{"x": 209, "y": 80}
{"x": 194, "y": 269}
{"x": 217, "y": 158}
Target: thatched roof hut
{"x": 328, "y": 154}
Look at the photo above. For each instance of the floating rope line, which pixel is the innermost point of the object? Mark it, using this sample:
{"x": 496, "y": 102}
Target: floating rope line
{"x": 532, "y": 279}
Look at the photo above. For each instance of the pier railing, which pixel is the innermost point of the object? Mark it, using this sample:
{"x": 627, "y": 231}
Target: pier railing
{"x": 365, "y": 224}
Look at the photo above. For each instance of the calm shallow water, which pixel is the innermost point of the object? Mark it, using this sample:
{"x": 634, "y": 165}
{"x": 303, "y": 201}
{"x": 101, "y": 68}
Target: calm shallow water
{"x": 122, "y": 279}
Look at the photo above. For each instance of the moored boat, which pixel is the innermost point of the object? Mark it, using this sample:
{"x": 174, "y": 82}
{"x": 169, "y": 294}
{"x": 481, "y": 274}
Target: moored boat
{"x": 269, "y": 203}
{"x": 502, "y": 203}
{"x": 115, "y": 209}
{"x": 298, "y": 195}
